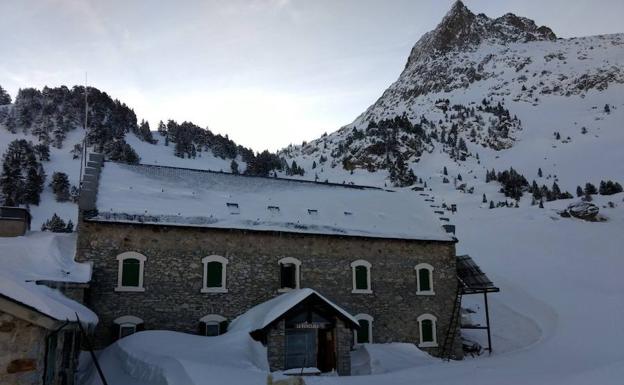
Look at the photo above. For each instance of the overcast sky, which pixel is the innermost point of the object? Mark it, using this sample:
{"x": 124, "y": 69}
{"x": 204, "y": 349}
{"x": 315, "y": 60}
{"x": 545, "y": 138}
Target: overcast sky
{"x": 266, "y": 72}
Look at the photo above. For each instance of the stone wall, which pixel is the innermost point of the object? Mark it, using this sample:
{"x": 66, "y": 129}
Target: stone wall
{"x": 10, "y": 227}
{"x": 276, "y": 346}
{"x": 173, "y": 276}
{"x": 344, "y": 341}
{"x": 22, "y": 351}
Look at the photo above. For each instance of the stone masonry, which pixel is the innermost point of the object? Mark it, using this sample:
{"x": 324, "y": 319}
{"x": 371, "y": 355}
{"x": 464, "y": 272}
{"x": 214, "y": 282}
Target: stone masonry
{"x": 22, "y": 351}
{"x": 173, "y": 276}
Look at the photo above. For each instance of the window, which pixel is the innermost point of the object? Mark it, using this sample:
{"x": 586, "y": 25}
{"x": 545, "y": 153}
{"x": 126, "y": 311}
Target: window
{"x": 361, "y": 276}
{"x": 364, "y": 334}
{"x": 289, "y": 273}
{"x": 214, "y": 274}
{"x": 127, "y": 325}
{"x": 428, "y": 333}
{"x": 424, "y": 279}
{"x": 213, "y": 325}
{"x": 130, "y": 274}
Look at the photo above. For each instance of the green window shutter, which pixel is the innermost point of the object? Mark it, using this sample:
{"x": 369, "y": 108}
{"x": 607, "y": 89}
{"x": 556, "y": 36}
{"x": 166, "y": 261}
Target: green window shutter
{"x": 423, "y": 280}
{"x": 427, "y": 330}
{"x": 215, "y": 270}
{"x": 130, "y": 272}
{"x": 361, "y": 278}
{"x": 362, "y": 333}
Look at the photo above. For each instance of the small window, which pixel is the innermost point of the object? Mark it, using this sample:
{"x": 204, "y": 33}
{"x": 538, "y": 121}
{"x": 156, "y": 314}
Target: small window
{"x": 364, "y": 333}
{"x": 424, "y": 279}
{"x": 130, "y": 274}
{"x": 289, "y": 273}
{"x": 127, "y": 325}
{"x": 361, "y": 271}
{"x": 233, "y": 207}
{"x": 214, "y": 274}
{"x": 213, "y": 325}
{"x": 428, "y": 332}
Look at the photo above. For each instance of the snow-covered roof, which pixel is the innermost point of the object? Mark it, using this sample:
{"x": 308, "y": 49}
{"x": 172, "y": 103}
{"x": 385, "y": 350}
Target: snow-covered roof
{"x": 43, "y": 256}
{"x": 45, "y": 300}
{"x": 175, "y": 196}
{"x": 262, "y": 315}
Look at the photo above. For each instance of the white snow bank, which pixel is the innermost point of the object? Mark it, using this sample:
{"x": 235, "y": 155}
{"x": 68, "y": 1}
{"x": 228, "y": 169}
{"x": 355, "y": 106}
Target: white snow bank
{"x": 385, "y": 358}
{"x": 43, "y": 256}
{"x": 153, "y": 194}
{"x": 164, "y": 357}
{"x": 260, "y": 316}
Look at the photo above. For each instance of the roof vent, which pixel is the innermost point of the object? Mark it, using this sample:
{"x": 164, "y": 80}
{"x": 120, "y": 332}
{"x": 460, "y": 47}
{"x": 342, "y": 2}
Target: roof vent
{"x": 313, "y": 212}
{"x": 233, "y": 207}
{"x": 348, "y": 213}
{"x": 273, "y": 209}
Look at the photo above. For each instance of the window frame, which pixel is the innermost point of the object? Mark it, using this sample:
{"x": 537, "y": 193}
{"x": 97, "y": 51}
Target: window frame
{"x": 297, "y": 263}
{"x": 121, "y": 258}
{"x": 212, "y": 319}
{"x": 434, "y": 331}
{"x": 224, "y": 262}
{"x": 368, "y": 266}
{"x": 127, "y": 321}
{"x": 370, "y": 319}
{"x": 429, "y": 268}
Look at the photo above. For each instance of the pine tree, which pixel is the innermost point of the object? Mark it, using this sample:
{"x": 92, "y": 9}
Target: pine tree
{"x": 234, "y": 167}
{"x": 43, "y": 151}
{"x": 459, "y": 177}
{"x": 539, "y": 172}
{"x": 5, "y": 98}
{"x": 57, "y": 225}
{"x": 607, "y": 109}
{"x": 541, "y": 204}
{"x": 491, "y": 204}
{"x": 445, "y": 171}
{"x": 556, "y": 192}
{"x": 60, "y": 186}
{"x": 590, "y": 189}
{"x": 579, "y": 191}
{"x": 484, "y": 199}
{"x": 34, "y": 185}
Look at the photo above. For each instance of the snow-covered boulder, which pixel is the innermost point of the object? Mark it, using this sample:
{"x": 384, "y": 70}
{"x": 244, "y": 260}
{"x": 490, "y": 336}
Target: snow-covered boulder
{"x": 582, "y": 210}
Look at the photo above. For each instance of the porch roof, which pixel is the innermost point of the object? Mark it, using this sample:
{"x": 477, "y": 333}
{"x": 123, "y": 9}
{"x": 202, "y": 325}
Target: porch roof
{"x": 264, "y": 314}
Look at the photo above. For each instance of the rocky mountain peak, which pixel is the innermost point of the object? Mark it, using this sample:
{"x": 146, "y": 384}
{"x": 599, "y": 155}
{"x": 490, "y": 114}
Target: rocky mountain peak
{"x": 462, "y": 29}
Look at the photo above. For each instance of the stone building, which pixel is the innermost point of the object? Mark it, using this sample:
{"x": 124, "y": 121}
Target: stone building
{"x": 40, "y": 337}
{"x": 191, "y": 251}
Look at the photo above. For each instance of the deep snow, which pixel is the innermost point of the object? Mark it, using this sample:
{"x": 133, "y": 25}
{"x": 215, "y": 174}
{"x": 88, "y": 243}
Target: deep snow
{"x": 49, "y": 257}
